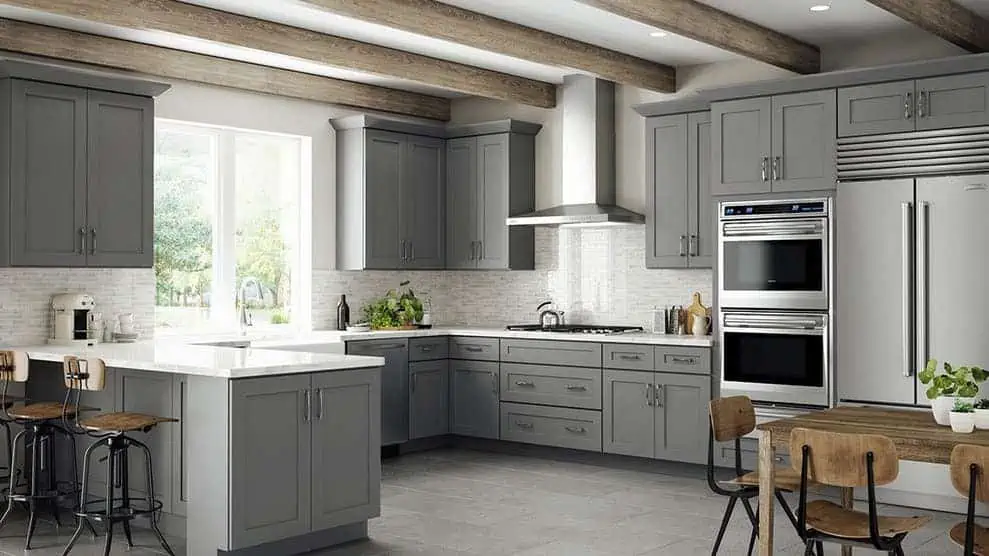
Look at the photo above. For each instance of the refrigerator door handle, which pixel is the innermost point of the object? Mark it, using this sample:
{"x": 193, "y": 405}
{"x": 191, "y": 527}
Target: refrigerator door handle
{"x": 909, "y": 315}
{"x": 923, "y": 233}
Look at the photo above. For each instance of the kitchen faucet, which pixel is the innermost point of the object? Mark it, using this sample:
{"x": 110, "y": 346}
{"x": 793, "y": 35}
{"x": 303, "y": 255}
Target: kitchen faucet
{"x": 246, "y": 319}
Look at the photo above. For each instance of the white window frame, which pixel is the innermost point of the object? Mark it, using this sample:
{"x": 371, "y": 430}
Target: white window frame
{"x": 223, "y": 312}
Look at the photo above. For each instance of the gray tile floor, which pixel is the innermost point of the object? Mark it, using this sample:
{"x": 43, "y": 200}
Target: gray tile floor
{"x": 465, "y": 502}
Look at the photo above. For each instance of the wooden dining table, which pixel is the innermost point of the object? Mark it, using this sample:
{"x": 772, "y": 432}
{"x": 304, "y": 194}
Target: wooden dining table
{"x": 914, "y": 433}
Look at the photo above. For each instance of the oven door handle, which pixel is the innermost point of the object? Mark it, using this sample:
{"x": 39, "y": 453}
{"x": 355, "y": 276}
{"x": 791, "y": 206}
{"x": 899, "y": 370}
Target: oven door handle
{"x": 777, "y": 330}
{"x": 773, "y": 228}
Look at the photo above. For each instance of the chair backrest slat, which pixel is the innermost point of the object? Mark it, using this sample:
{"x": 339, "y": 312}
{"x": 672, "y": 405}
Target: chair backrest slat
{"x": 839, "y": 459}
{"x": 13, "y": 366}
{"x": 963, "y": 456}
{"x": 732, "y": 417}
{"x": 84, "y": 374}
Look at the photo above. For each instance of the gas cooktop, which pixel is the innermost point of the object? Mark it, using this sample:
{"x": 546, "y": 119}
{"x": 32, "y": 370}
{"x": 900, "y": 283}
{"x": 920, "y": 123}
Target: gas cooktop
{"x": 575, "y": 328}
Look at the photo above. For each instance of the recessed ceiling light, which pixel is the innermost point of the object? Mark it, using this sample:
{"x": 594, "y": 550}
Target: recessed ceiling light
{"x": 658, "y": 34}
{"x": 820, "y": 8}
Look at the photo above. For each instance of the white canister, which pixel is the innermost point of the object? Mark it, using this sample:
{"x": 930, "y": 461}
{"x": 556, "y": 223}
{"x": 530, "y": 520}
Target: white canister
{"x": 126, "y": 321}
{"x": 700, "y": 326}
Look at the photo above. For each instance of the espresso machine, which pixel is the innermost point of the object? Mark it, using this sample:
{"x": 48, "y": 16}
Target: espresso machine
{"x": 72, "y": 320}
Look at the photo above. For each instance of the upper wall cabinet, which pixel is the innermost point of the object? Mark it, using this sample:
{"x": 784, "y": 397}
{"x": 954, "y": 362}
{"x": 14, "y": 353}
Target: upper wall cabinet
{"x": 81, "y": 180}
{"x": 679, "y": 223}
{"x": 933, "y": 103}
{"x": 784, "y": 143}
{"x": 489, "y": 178}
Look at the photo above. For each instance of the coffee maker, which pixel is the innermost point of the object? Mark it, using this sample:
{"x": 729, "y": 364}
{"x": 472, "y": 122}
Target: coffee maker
{"x": 72, "y": 320}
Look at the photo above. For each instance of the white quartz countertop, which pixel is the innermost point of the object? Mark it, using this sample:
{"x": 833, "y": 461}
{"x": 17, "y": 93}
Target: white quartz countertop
{"x": 172, "y": 356}
{"x": 628, "y": 338}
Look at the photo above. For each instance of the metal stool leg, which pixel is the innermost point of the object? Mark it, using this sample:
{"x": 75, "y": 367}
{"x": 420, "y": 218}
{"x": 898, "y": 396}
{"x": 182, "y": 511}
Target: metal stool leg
{"x": 82, "y": 497}
{"x": 51, "y": 472}
{"x": 151, "y": 498}
{"x": 32, "y": 520}
{"x": 12, "y": 483}
{"x": 111, "y": 478}
{"x": 125, "y": 493}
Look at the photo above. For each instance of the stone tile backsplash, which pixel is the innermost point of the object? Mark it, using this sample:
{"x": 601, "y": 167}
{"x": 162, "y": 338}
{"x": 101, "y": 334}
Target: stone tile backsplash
{"x": 596, "y": 275}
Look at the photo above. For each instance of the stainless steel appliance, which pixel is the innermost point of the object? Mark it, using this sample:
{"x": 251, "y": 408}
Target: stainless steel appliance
{"x": 778, "y": 357}
{"x": 72, "y": 320}
{"x": 549, "y": 318}
{"x": 912, "y": 282}
{"x": 774, "y": 254}
{"x": 576, "y": 328}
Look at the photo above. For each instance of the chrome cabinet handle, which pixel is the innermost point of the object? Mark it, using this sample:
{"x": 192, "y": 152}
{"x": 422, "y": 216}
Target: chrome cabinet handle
{"x": 777, "y": 168}
{"x": 683, "y": 250}
{"x": 386, "y": 346}
{"x": 524, "y": 383}
{"x": 524, "y": 425}
{"x": 576, "y": 388}
{"x": 907, "y": 250}
{"x": 649, "y": 394}
{"x": 692, "y": 244}
{"x": 480, "y": 250}
{"x": 494, "y": 383}
{"x": 576, "y": 430}
{"x": 625, "y": 357}
{"x": 82, "y": 241}
{"x": 922, "y": 105}
{"x": 92, "y": 243}
{"x": 319, "y": 404}
{"x": 425, "y": 349}
{"x": 415, "y": 379}
{"x": 684, "y": 360}
{"x": 473, "y": 349}
{"x": 765, "y": 164}
{"x": 472, "y": 249}
{"x": 922, "y": 261}
{"x": 908, "y": 106}
{"x": 307, "y": 406}
{"x": 658, "y": 395}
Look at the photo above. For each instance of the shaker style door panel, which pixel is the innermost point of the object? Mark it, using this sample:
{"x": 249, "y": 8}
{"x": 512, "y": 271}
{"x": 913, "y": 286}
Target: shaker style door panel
{"x": 394, "y": 385}
{"x": 461, "y": 203}
{"x": 383, "y": 169}
{"x": 682, "y": 417}
{"x": 424, "y": 197}
{"x": 953, "y": 101}
{"x": 804, "y": 141}
{"x": 629, "y": 416}
{"x": 876, "y": 109}
{"x": 47, "y": 175}
{"x": 493, "y": 189}
{"x": 740, "y": 147}
{"x": 666, "y": 192}
{"x": 700, "y": 204}
{"x": 474, "y": 409}
{"x": 429, "y": 393}
{"x": 121, "y": 180}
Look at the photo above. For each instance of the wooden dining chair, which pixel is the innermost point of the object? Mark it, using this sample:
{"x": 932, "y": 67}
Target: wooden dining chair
{"x": 969, "y": 465}
{"x": 731, "y": 419}
{"x": 847, "y": 461}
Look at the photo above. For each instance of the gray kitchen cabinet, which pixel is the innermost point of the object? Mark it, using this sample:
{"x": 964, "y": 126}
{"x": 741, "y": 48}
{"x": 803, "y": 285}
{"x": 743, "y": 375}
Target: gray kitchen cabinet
{"x": 429, "y": 398}
{"x": 475, "y": 398}
{"x": 384, "y": 247}
{"x": 551, "y": 385}
{"x": 629, "y": 417}
{"x": 953, "y": 101}
{"x": 423, "y": 199}
{"x": 394, "y": 385}
{"x": 479, "y": 349}
{"x": 579, "y": 429}
{"x": 461, "y": 203}
{"x": 551, "y": 352}
{"x": 151, "y": 394}
{"x": 804, "y": 142}
{"x": 679, "y": 217}
{"x": 741, "y": 144}
{"x": 876, "y": 109}
{"x": 429, "y": 348}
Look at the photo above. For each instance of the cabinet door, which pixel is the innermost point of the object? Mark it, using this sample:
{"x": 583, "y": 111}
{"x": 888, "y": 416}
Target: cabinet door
{"x": 875, "y": 109}
{"x": 151, "y": 394}
{"x": 180, "y": 449}
{"x": 740, "y": 146}
{"x": 700, "y": 204}
{"x": 804, "y": 141}
{"x": 461, "y": 203}
{"x": 346, "y": 450}
{"x": 394, "y": 385}
{"x": 666, "y": 192}
{"x": 383, "y": 158}
{"x": 629, "y": 417}
{"x": 953, "y": 101}
{"x": 681, "y": 417}
{"x": 474, "y": 389}
{"x": 271, "y": 443}
{"x": 492, "y": 189}
{"x": 47, "y": 175}
{"x": 120, "y": 198}
{"x": 423, "y": 202}
{"x": 429, "y": 398}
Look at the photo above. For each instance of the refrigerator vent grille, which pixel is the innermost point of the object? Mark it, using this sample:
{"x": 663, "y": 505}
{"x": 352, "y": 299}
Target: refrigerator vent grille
{"x": 915, "y": 153}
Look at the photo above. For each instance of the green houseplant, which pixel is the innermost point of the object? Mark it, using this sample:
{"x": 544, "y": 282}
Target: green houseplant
{"x": 949, "y": 386}
{"x": 396, "y": 310}
{"x": 962, "y": 417}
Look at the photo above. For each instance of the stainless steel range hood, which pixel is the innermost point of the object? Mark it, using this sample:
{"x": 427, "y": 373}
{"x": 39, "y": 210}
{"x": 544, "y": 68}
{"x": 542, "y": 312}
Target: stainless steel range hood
{"x": 588, "y": 160}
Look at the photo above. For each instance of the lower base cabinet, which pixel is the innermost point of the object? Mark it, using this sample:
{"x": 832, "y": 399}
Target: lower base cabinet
{"x": 474, "y": 387}
{"x": 656, "y": 415}
{"x": 429, "y": 398}
{"x": 562, "y": 427}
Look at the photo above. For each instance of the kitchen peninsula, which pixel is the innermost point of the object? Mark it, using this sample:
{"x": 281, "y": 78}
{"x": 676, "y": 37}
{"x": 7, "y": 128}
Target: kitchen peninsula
{"x": 274, "y": 452}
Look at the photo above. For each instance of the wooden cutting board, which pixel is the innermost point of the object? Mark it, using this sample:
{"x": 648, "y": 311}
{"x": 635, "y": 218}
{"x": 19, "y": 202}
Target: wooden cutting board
{"x": 696, "y": 308}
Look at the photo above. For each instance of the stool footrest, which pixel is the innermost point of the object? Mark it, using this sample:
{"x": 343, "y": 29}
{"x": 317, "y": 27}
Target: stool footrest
{"x": 96, "y": 510}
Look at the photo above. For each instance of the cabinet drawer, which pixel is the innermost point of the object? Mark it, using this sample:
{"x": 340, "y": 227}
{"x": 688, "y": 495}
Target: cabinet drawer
{"x": 480, "y": 349}
{"x": 724, "y": 455}
{"x": 683, "y": 359}
{"x": 549, "y": 352}
{"x": 375, "y": 347}
{"x": 428, "y": 349}
{"x": 551, "y": 426}
{"x": 549, "y": 385}
{"x": 629, "y": 356}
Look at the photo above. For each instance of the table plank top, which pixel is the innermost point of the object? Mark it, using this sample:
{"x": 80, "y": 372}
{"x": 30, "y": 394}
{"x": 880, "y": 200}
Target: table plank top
{"x": 916, "y": 436}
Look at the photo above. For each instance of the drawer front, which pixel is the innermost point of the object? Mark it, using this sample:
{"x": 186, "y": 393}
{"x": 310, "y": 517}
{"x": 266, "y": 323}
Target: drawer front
{"x": 629, "y": 356}
{"x": 551, "y": 426}
{"x": 724, "y": 455}
{"x": 480, "y": 349}
{"x": 550, "y": 352}
{"x": 550, "y": 385}
{"x": 429, "y": 349}
{"x": 683, "y": 360}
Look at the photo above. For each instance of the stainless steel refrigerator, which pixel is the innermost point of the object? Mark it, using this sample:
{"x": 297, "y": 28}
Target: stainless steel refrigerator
{"x": 912, "y": 283}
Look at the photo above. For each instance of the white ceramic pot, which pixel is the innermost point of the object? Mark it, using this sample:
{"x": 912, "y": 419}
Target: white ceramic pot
{"x": 962, "y": 422}
{"x": 943, "y": 405}
{"x": 982, "y": 419}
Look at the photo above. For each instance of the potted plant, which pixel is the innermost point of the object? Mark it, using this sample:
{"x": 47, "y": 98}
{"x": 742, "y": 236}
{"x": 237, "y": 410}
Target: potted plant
{"x": 982, "y": 414}
{"x": 395, "y": 311}
{"x": 962, "y": 417}
{"x": 953, "y": 384}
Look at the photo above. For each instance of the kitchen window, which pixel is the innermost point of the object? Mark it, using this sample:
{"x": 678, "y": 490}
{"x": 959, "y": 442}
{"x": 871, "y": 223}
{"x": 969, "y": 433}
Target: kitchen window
{"x": 232, "y": 228}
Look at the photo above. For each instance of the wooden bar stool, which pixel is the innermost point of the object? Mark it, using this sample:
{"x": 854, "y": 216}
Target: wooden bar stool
{"x": 847, "y": 460}
{"x": 111, "y": 429}
{"x": 969, "y": 465}
{"x": 40, "y": 421}
{"x": 731, "y": 419}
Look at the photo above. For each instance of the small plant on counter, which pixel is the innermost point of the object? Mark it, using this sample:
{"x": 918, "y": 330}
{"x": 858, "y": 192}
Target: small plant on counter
{"x": 962, "y": 407}
{"x": 394, "y": 310}
{"x": 962, "y": 417}
{"x": 954, "y": 383}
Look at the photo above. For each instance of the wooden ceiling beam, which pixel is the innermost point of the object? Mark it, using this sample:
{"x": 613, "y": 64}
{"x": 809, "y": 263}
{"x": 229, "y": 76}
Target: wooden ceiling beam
{"x": 172, "y": 16}
{"x": 946, "y": 19}
{"x": 443, "y": 21}
{"x": 703, "y": 23}
{"x": 62, "y": 44}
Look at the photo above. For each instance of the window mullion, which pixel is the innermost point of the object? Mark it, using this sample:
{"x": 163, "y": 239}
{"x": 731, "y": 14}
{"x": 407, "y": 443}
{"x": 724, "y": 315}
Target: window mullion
{"x": 225, "y": 257}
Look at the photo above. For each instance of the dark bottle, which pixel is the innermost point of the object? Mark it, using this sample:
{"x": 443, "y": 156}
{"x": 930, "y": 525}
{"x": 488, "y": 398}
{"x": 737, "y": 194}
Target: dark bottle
{"x": 343, "y": 313}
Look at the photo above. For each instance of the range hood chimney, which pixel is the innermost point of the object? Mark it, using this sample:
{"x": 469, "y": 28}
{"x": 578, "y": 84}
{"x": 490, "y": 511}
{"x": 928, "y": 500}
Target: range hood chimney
{"x": 588, "y": 160}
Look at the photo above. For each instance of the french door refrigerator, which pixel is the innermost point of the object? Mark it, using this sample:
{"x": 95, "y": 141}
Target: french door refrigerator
{"x": 912, "y": 283}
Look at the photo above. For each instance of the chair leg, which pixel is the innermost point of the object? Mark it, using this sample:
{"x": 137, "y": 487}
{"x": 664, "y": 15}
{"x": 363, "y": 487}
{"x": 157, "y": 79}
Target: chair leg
{"x": 809, "y": 547}
{"x": 125, "y": 494}
{"x": 83, "y": 494}
{"x": 820, "y": 548}
{"x": 754, "y": 535}
{"x": 12, "y": 481}
{"x": 898, "y": 550}
{"x": 786, "y": 509}
{"x": 109, "y": 539}
{"x": 75, "y": 536}
{"x": 32, "y": 520}
{"x": 747, "y": 504}
{"x": 48, "y": 460}
{"x": 152, "y": 501}
{"x": 724, "y": 524}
